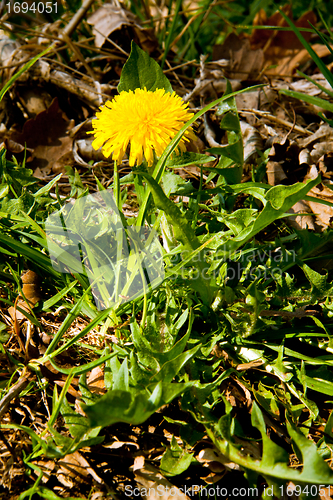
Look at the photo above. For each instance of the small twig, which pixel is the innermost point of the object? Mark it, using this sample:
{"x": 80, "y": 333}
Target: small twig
{"x": 285, "y": 123}
{"x": 187, "y": 63}
{"x": 12, "y": 393}
{"x": 71, "y": 26}
{"x": 175, "y": 75}
{"x": 77, "y": 52}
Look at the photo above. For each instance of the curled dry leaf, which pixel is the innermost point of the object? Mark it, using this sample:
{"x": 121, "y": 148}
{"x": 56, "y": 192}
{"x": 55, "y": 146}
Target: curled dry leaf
{"x": 270, "y": 51}
{"x": 310, "y": 88}
{"x": 47, "y": 467}
{"x": 301, "y": 221}
{"x": 34, "y": 100}
{"x": 120, "y": 444}
{"x": 138, "y": 462}
{"x": 289, "y": 164}
{"x": 31, "y": 282}
{"x": 282, "y": 51}
{"x": 216, "y": 463}
{"x": 324, "y": 131}
{"x": 83, "y": 152}
{"x": 154, "y": 486}
{"x": 252, "y": 141}
{"x": 95, "y": 380}
{"x": 110, "y": 18}
{"x": 211, "y": 81}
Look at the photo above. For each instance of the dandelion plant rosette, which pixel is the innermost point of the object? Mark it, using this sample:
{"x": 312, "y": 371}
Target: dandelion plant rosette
{"x": 148, "y": 120}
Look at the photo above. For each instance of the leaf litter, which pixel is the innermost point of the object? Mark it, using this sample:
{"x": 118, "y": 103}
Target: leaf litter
{"x": 286, "y": 141}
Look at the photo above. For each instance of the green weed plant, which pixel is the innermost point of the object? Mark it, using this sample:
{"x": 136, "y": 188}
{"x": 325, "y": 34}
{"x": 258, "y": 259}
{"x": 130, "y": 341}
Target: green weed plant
{"x": 222, "y": 272}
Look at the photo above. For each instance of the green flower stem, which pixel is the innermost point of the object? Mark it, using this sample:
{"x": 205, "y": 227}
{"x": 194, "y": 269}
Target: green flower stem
{"x": 116, "y": 185}
{"x": 182, "y": 232}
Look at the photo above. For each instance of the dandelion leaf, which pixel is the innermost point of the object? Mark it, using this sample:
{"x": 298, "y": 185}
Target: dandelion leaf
{"x": 141, "y": 71}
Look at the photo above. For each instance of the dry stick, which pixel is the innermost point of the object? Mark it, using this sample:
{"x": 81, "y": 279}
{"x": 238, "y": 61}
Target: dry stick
{"x": 77, "y": 52}
{"x": 12, "y": 393}
{"x": 187, "y": 25}
{"x": 268, "y": 116}
{"x": 175, "y": 75}
{"x": 68, "y": 30}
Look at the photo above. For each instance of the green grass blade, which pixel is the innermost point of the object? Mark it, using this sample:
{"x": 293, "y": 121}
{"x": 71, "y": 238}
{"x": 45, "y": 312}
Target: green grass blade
{"x": 21, "y": 71}
{"x": 316, "y": 101}
{"x": 323, "y": 68}
{"x": 320, "y": 87}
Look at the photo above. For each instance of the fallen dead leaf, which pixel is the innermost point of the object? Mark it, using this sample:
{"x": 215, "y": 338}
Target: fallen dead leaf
{"x": 243, "y": 62}
{"x": 47, "y": 135}
{"x": 110, "y": 18}
{"x": 282, "y": 51}
{"x": 154, "y": 486}
{"x": 75, "y": 466}
{"x": 95, "y": 380}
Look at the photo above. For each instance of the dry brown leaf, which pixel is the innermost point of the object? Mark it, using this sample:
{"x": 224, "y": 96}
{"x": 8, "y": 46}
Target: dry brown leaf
{"x": 326, "y": 493}
{"x": 243, "y": 62}
{"x": 110, "y": 18}
{"x": 34, "y": 100}
{"x": 276, "y": 52}
{"x": 320, "y": 149}
{"x": 310, "y": 88}
{"x": 323, "y": 131}
{"x": 215, "y": 461}
{"x": 95, "y": 380}
{"x": 281, "y": 49}
{"x": 47, "y": 135}
{"x": 75, "y": 466}
{"x": 139, "y": 462}
{"x": 301, "y": 221}
{"x": 324, "y": 213}
{"x": 275, "y": 173}
{"x": 154, "y": 486}
{"x": 252, "y": 141}
{"x": 120, "y": 444}
{"x": 46, "y": 466}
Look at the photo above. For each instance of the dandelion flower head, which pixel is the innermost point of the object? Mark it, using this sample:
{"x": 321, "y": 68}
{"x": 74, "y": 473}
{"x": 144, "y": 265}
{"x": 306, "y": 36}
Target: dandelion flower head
{"x": 147, "y": 120}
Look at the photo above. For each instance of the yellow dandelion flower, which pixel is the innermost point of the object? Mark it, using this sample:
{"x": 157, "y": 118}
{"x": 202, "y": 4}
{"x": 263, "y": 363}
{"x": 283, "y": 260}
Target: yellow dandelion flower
{"x": 147, "y": 120}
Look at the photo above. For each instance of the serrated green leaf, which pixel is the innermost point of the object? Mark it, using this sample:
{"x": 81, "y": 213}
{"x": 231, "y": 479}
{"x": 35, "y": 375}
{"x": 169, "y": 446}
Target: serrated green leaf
{"x": 274, "y": 463}
{"x": 314, "y": 467}
{"x": 133, "y": 406}
{"x": 240, "y": 219}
